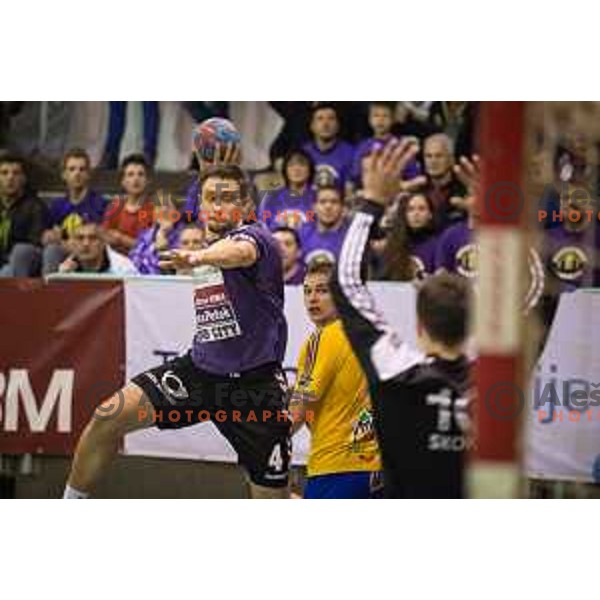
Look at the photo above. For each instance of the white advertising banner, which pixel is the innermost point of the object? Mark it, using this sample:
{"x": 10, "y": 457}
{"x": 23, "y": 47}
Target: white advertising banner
{"x": 562, "y": 438}
{"x": 159, "y": 324}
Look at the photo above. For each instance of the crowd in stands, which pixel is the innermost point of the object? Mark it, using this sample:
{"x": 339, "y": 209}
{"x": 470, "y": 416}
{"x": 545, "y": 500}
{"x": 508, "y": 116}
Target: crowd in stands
{"x": 319, "y": 156}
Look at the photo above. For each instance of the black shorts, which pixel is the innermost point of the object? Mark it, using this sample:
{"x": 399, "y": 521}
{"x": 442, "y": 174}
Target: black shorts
{"x": 247, "y": 408}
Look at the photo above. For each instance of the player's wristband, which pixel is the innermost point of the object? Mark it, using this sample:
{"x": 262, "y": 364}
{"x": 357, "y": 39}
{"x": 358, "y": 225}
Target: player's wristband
{"x": 372, "y": 208}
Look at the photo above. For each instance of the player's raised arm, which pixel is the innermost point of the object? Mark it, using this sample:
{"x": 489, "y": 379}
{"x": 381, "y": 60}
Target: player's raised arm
{"x": 378, "y": 349}
{"x": 225, "y": 254}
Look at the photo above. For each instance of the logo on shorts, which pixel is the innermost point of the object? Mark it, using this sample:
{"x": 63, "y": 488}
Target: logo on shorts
{"x": 173, "y": 387}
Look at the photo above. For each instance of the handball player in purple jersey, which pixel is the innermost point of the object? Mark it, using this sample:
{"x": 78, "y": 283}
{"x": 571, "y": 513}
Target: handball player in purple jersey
{"x": 232, "y": 375}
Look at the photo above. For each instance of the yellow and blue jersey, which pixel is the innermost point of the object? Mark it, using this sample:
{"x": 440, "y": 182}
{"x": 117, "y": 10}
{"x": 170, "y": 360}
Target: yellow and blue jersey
{"x": 341, "y": 423}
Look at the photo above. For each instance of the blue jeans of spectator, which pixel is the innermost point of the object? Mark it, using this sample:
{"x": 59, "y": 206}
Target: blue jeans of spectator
{"x": 116, "y": 128}
{"x": 23, "y": 261}
{"x": 52, "y": 256}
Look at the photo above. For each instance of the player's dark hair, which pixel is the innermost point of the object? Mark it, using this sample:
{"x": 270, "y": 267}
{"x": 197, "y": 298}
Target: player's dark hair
{"x": 320, "y": 266}
{"x": 135, "y": 159}
{"x": 381, "y": 104}
{"x": 401, "y": 237}
{"x": 13, "y": 159}
{"x": 331, "y": 186}
{"x": 295, "y": 153}
{"x": 76, "y": 153}
{"x": 194, "y": 225}
{"x": 317, "y": 106}
{"x": 292, "y": 231}
{"x": 231, "y": 173}
{"x": 443, "y": 304}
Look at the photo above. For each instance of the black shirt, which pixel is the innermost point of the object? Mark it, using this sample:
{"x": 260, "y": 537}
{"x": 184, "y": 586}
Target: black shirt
{"x": 420, "y": 403}
{"x": 22, "y": 221}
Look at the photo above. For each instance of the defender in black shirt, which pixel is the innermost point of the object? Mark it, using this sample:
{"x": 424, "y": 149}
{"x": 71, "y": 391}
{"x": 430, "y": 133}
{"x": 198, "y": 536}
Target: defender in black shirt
{"x": 420, "y": 398}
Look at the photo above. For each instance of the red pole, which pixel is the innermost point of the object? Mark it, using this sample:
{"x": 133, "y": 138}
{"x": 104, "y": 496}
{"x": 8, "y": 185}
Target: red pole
{"x": 501, "y": 243}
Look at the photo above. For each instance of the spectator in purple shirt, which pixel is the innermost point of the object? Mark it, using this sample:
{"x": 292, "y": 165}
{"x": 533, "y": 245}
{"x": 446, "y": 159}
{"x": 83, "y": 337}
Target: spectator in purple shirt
{"x": 381, "y": 120}
{"x": 332, "y": 156}
{"x": 456, "y": 251}
{"x": 79, "y": 205}
{"x": 571, "y": 251}
{"x": 291, "y": 255}
{"x": 162, "y": 235}
{"x": 324, "y": 235}
{"x": 409, "y": 253}
{"x": 291, "y": 205}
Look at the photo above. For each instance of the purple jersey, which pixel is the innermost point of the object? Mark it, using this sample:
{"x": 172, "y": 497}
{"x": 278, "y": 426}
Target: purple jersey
{"x": 296, "y": 276}
{"x": 422, "y": 255}
{"x": 456, "y": 251}
{"x": 240, "y": 323}
{"x": 285, "y": 208}
{"x": 365, "y": 147}
{"x": 569, "y": 256}
{"x": 333, "y": 165}
{"x": 68, "y": 215}
{"x": 191, "y": 203}
{"x": 321, "y": 243}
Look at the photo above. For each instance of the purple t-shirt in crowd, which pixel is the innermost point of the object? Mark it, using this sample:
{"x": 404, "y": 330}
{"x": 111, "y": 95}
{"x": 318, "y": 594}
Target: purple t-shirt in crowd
{"x": 365, "y": 147}
{"x": 321, "y": 243}
{"x": 240, "y": 324}
{"x": 334, "y": 165}
{"x": 422, "y": 254}
{"x": 144, "y": 254}
{"x": 283, "y": 207}
{"x": 297, "y": 276}
{"x": 569, "y": 256}
{"x": 456, "y": 251}
{"x": 191, "y": 201}
{"x": 68, "y": 216}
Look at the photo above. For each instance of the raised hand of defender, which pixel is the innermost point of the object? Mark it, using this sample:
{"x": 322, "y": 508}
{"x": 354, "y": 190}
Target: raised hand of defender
{"x": 172, "y": 260}
{"x": 469, "y": 173}
{"x": 380, "y": 176}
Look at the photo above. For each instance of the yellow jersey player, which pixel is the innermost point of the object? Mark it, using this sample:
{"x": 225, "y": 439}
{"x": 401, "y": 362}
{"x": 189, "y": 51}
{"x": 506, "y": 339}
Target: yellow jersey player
{"x": 331, "y": 396}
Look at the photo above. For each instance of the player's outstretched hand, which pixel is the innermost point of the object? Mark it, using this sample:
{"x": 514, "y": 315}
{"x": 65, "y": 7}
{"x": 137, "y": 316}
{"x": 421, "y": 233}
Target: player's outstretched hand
{"x": 469, "y": 173}
{"x": 381, "y": 180}
{"x": 177, "y": 259}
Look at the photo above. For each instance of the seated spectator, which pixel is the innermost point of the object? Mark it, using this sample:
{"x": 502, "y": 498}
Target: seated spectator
{"x": 127, "y": 216}
{"x": 332, "y": 156}
{"x": 381, "y": 119}
{"x": 443, "y": 187}
{"x": 192, "y": 236}
{"x": 80, "y": 204}
{"x": 409, "y": 253}
{"x": 456, "y": 251}
{"x": 291, "y": 255}
{"x": 91, "y": 254}
{"x": 571, "y": 251}
{"x": 23, "y": 219}
{"x": 162, "y": 235}
{"x": 324, "y": 235}
{"x": 292, "y": 205}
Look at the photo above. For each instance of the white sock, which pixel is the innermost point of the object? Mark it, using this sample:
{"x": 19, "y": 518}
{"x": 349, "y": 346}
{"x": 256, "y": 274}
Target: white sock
{"x": 73, "y": 494}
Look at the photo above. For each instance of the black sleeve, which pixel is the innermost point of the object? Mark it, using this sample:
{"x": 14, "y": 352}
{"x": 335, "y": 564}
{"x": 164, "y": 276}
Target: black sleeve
{"x": 381, "y": 353}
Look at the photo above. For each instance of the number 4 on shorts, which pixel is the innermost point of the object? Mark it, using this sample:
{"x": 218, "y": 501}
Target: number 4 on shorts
{"x": 276, "y": 458}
